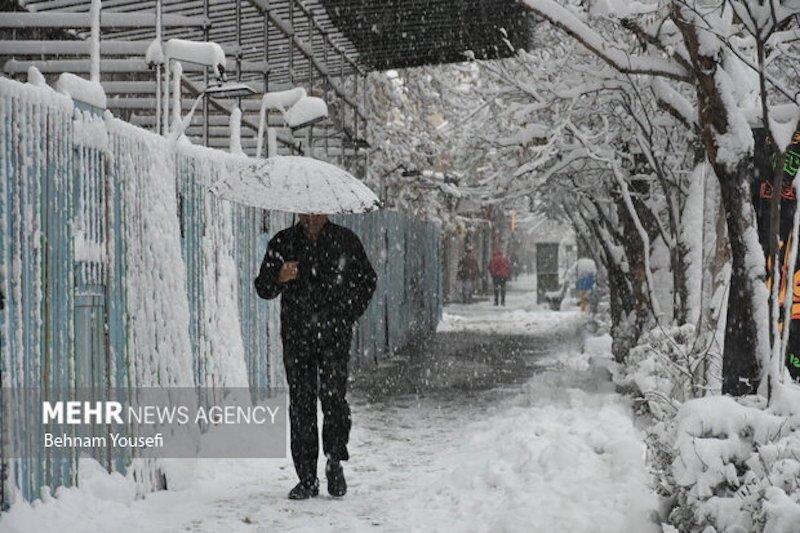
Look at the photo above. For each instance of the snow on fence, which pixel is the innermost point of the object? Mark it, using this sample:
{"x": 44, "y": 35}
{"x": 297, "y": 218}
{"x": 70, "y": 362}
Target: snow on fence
{"x": 118, "y": 269}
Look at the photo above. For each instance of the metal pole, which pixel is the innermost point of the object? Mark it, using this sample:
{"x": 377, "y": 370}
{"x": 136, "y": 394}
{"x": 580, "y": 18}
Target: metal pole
{"x": 272, "y": 140}
{"x": 291, "y": 42}
{"x": 364, "y": 108}
{"x": 355, "y": 124}
{"x": 239, "y": 47}
{"x": 342, "y": 114}
{"x": 326, "y": 89}
{"x": 158, "y": 70}
{"x": 206, "y": 36}
{"x": 310, "y": 133}
{"x": 266, "y": 46}
{"x": 165, "y": 116}
{"x": 95, "y": 36}
{"x": 311, "y": 48}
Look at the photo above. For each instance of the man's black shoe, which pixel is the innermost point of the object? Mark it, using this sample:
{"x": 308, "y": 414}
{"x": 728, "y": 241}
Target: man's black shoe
{"x": 304, "y": 490}
{"x": 337, "y": 486}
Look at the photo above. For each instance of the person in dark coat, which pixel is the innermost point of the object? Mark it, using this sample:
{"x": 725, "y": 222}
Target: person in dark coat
{"x": 326, "y": 282}
{"x": 468, "y": 274}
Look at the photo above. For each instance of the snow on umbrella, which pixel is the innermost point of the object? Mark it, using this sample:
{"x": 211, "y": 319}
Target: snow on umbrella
{"x": 298, "y": 185}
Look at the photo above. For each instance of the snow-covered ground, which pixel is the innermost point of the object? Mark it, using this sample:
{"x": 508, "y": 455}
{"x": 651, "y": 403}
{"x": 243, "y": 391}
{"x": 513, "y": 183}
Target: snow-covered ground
{"x": 520, "y": 316}
{"x": 559, "y": 453}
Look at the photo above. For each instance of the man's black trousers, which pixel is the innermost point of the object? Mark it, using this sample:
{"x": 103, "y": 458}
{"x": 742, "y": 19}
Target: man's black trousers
{"x": 316, "y": 367}
{"x": 499, "y": 291}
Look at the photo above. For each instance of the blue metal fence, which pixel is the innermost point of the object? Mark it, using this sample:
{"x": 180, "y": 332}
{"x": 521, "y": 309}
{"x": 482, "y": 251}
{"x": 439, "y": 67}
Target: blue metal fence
{"x": 119, "y": 270}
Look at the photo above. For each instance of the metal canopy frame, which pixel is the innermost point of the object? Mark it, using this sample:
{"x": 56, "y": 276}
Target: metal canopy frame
{"x": 328, "y": 46}
{"x": 409, "y": 33}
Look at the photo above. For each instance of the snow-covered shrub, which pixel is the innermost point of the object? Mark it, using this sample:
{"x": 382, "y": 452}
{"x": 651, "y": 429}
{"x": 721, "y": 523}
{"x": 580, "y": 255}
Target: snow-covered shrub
{"x": 663, "y": 370}
{"x": 736, "y": 463}
{"x": 720, "y": 464}
{"x": 599, "y": 322}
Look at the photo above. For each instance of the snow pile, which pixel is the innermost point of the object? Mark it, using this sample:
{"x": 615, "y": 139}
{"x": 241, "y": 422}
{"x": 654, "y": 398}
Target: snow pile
{"x": 562, "y": 456}
{"x": 559, "y": 453}
{"x": 89, "y": 92}
{"x": 737, "y": 463}
{"x": 97, "y": 492}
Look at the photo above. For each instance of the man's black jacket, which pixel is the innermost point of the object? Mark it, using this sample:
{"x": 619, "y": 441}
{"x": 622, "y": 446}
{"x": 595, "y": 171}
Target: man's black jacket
{"x": 334, "y": 285}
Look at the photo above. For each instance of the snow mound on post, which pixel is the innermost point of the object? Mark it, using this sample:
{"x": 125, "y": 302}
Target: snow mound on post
{"x": 202, "y": 53}
{"x": 35, "y": 77}
{"x": 306, "y": 111}
{"x": 85, "y": 91}
{"x": 154, "y": 54}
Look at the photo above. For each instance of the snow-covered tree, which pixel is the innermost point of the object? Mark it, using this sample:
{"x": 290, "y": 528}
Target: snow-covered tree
{"x": 716, "y": 64}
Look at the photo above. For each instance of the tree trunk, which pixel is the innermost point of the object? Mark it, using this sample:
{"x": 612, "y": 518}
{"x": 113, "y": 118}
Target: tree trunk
{"x": 747, "y": 325}
{"x": 635, "y": 254}
{"x": 680, "y": 286}
{"x": 623, "y": 325}
{"x": 747, "y": 298}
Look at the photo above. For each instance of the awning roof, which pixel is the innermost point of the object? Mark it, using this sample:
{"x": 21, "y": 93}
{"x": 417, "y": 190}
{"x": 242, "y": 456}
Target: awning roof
{"x": 408, "y": 33}
{"x": 320, "y": 44}
{"x": 361, "y": 35}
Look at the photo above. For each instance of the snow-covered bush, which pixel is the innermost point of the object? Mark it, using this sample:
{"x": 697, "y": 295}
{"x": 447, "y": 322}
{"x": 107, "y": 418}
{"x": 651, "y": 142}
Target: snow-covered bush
{"x": 663, "y": 370}
{"x": 736, "y": 463}
{"x": 720, "y": 464}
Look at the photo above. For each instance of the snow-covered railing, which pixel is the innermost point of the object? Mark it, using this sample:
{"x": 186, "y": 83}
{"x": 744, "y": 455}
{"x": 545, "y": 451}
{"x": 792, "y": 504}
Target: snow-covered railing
{"x": 120, "y": 269}
{"x": 108, "y": 19}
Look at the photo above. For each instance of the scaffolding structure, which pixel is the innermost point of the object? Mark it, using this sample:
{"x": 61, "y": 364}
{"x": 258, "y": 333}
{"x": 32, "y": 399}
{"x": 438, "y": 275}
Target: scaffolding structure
{"x": 270, "y": 45}
{"x": 326, "y": 46}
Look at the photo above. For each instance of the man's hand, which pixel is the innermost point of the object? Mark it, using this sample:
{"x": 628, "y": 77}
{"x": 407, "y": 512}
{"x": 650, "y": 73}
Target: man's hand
{"x": 288, "y": 272}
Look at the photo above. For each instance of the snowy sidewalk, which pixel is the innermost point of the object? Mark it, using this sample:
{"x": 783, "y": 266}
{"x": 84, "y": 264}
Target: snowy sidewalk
{"x": 558, "y": 452}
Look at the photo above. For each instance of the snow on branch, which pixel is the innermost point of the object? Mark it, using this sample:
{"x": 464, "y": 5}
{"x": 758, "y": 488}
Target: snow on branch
{"x": 675, "y": 103}
{"x": 630, "y": 64}
{"x": 532, "y": 133}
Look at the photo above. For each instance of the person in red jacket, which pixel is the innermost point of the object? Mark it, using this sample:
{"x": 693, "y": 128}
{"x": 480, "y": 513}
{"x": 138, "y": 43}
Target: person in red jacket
{"x": 500, "y": 269}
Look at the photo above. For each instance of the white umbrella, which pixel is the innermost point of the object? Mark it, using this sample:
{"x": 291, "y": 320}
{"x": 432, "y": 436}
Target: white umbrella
{"x": 298, "y": 185}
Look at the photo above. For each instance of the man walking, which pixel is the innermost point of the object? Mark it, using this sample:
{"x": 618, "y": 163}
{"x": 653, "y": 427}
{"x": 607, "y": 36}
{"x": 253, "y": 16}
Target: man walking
{"x": 500, "y": 269}
{"x": 468, "y": 274}
{"x": 327, "y": 282}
